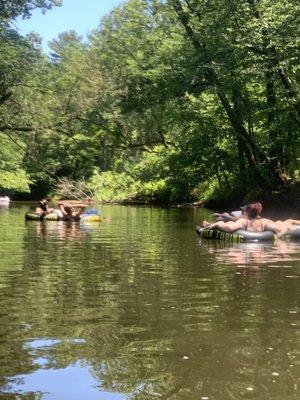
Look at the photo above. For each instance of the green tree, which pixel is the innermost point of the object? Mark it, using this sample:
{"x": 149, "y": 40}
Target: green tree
{"x": 10, "y": 9}
{"x": 204, "y": 90}
{"x": 20, "y": 59}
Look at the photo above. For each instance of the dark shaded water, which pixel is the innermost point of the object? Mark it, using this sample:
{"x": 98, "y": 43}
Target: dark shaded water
{"x": 139, "y": 308}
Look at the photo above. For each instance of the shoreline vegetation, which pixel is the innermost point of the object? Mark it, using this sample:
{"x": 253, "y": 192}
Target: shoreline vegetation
{"x": 166, "y": 102}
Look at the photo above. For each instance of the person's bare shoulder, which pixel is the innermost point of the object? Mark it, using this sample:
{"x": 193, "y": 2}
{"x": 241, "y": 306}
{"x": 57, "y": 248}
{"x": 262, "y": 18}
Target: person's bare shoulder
{"x": 241, "y": 223}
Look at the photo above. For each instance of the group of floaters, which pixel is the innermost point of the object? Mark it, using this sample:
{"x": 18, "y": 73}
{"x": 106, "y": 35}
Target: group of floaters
{"x": 69, "y": 210}
{"x": 248, "y": 225}
{"x": 244, "y": 225}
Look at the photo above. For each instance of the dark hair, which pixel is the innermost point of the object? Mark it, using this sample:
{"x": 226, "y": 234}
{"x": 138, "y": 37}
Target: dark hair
{"x": 68, "y": 209}
{"x": 43, "y": 204}
{"x": 253, "y": 209}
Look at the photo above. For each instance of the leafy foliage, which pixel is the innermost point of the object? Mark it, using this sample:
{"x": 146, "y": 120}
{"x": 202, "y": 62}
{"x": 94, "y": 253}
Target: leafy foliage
{"x": 168, "y": 100}
{"x": 111, "y": 186}
{"x": 12, "y": 8}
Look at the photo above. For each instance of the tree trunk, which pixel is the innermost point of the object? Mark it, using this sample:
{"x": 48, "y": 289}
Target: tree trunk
{"x": 290, "y": 90}
{"x": 5, "y": 96}
{"x": 255, "y": 157}
{"x": 291, "y": 94}
{"x": 276, "y": 152}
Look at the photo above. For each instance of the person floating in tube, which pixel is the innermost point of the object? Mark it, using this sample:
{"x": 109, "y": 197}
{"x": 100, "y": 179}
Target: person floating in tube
{"x": 43, "y": 208}
{"x": 250, "y": 220}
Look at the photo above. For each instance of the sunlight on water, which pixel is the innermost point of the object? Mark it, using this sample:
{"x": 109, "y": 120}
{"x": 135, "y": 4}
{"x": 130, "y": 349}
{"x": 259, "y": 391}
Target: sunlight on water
{"x": 140, "y": 308}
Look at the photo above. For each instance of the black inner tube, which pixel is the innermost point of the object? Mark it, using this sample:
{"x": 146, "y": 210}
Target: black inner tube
{"x": 240, "y": 235}
{"x": 295, "y": 233}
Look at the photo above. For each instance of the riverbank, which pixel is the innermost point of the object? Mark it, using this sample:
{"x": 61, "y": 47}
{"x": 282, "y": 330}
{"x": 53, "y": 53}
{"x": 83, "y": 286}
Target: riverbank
{"x": 276, "y": 204}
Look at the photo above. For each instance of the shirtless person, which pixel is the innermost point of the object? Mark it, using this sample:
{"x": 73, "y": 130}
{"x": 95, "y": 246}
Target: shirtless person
{"x": 250, "y": 221}
{"x": 279, "y": 227}
{"x": 71, "y": 212}
{"x": 43, "y": 208}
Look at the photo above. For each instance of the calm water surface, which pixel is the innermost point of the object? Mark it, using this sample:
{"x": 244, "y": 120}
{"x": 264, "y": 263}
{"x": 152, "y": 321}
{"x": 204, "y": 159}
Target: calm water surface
{"x": 139, "y": 308}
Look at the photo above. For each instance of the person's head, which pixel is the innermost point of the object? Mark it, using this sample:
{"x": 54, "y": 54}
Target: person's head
{"x": 43, "y": 204}
{"x": 253, "y": 210}
{"x": 69, "y": 211}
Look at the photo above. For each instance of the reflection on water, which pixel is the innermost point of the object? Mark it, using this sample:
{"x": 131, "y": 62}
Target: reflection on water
{"x": 52, "y": 384}
{"x": 254, "y": 255}
{"x": 140, "y": 308}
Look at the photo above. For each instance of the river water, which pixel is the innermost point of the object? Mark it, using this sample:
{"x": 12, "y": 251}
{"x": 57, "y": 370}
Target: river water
{"x": 139, "y": 308}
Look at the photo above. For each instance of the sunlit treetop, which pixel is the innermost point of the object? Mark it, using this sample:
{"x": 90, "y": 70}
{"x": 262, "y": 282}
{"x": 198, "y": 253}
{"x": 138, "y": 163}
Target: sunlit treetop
{"x": 10, "y": 9}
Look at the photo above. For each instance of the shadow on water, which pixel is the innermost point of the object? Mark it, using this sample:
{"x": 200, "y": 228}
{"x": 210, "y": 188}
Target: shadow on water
{"x": 140, "y": 308}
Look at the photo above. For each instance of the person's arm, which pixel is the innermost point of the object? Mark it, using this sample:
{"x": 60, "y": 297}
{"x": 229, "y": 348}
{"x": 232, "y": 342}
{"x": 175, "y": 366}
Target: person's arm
{"x": 225, "y": 217}
{"x": 79, "y": 209}
{"x": 229, "y": 227}
{"x": 231, "y": 218}
{"x": 293, "y": 221}
{"x": 282, "y": 233}
{"x": 283, "y": 230}
{"x": 268, "y": 225}
{"x": 73, "y": 203}
{"x": 280, "y": 229}
{"x": 62, "y": 208}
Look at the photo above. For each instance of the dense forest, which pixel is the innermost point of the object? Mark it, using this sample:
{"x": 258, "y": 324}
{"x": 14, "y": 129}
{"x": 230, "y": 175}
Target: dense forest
{"x": 167, "y": 100}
